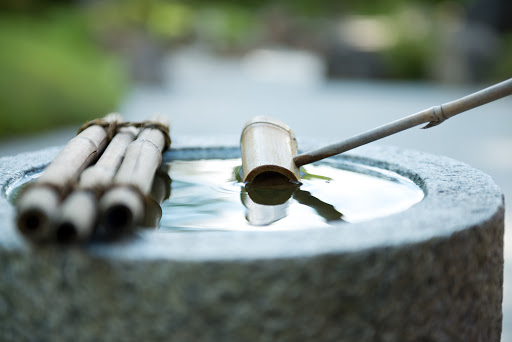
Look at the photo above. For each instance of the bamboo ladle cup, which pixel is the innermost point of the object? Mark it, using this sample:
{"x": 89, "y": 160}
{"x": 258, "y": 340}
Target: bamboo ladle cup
{"x": 269, "y": 148}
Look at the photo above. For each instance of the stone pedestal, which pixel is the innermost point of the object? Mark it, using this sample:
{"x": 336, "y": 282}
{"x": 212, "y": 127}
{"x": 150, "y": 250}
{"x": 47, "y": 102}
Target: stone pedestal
{"x": 433, "y": 272}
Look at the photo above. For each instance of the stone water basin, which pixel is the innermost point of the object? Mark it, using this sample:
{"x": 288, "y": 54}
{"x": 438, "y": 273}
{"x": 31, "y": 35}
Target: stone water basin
{"x": 431, "y": 269}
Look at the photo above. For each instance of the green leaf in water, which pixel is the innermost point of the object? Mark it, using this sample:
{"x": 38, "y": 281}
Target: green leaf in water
{"x": 309, "y": 176}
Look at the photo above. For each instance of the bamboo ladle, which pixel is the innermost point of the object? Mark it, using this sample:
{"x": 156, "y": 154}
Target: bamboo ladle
{"x": 269, "y": 148}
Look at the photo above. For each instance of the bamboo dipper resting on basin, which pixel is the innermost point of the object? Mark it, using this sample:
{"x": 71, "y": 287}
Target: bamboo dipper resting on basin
{"x": 122, "y": 207}
{"x": 269, "y": 147}
{"x": 38, "y": 205}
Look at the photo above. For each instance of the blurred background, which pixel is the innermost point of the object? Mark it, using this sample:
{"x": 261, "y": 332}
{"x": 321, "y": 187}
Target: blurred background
{"x": 330, "y": 69}
{"x": 66, "y": 61}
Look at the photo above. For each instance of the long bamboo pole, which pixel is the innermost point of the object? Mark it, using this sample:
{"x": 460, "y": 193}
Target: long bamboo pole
{"x": 434, "y": 116}
{"x": 38, "y": 206}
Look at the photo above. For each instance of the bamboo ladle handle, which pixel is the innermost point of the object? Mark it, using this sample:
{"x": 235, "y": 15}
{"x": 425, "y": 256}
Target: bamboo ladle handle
{"x": 434, "y": 116}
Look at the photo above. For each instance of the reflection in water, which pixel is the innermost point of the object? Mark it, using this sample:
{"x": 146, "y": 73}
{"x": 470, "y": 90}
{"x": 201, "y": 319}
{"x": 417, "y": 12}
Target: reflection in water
{"x": 207, "y": 196}
{"x": 326, "y": 210}
{"x": 267, "y": 204}
{"x": 266, "y": 199}
{"x": 259, "y": 214}
{"x": 160, "y": 191}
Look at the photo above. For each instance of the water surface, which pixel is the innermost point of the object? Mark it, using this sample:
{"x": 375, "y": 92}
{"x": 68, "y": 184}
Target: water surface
{"x": 206, "y": 195}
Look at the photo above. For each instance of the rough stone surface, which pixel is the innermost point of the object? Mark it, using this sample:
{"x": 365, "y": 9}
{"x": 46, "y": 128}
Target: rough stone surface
{"x": 433, "y": 272}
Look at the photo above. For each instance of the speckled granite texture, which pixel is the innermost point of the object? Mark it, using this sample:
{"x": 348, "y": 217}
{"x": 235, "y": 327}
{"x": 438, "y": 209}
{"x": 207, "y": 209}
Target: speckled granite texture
{"x": 431, "y": 273}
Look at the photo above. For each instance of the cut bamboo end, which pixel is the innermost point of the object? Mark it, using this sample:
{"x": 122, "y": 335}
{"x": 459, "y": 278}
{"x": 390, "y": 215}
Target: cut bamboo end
{"x": 79, "y": 211}
{"x": 37, "y": 212}
{"x": 270, "y": 174}
{"x": 38, "y": 207}
{"x": 77, "y": 218}
{"x": 121, "y": 210}
{"x": 268, "y": 148}
{"x": 127, "y": 166}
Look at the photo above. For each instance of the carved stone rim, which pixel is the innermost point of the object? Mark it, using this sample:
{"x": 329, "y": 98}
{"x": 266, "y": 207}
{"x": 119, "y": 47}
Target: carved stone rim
{"x": 457, "y": 197}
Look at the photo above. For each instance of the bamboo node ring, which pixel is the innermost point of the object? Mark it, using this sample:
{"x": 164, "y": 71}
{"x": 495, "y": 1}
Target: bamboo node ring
{"x": 439, "y": 117}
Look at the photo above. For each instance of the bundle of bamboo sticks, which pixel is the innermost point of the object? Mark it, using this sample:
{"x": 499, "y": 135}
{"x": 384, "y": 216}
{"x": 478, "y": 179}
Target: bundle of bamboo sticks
{"x": 99, "y": 184}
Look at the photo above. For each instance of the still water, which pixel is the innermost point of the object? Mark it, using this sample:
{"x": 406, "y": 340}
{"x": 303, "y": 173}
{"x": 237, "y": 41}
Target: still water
{"x": 206, "y": 195}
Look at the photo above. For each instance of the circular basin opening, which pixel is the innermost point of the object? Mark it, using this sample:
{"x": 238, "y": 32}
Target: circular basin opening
{"x": 207, "y": 195}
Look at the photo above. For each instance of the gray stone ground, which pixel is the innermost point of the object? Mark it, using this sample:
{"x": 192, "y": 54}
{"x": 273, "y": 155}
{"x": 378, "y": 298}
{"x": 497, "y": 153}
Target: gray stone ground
{"x": 211, "y": 98}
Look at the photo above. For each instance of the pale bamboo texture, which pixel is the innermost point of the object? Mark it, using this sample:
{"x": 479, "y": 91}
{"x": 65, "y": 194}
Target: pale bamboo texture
{"x": 268, "y": 145}
{"x": 38, "y": 206}
{"x": 122, "y": 207}
{"x": 78, "y": 213}
{"x": 434, "y": 116}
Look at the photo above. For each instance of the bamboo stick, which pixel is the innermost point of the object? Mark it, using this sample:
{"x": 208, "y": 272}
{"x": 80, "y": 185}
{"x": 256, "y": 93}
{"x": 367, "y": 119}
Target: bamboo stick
{"x": 268, "y": 149}
{"x": 38, "y": 206}
{"x": 77, "y": 217}
{"x": 434, "y": 116}
{"x": 122, "y": 207}
{"x": 78, "y": 213}
{"x": 268, "y": 146}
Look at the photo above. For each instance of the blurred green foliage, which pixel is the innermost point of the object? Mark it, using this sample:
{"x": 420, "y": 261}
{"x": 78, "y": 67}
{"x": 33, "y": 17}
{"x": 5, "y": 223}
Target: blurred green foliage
{"x": 232, "y": 26}
{"x": 503, "y": 66}
{"x": 221, "y": 25}
{"x": 56, "y": 69}
{"x": 53, "y": 73}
